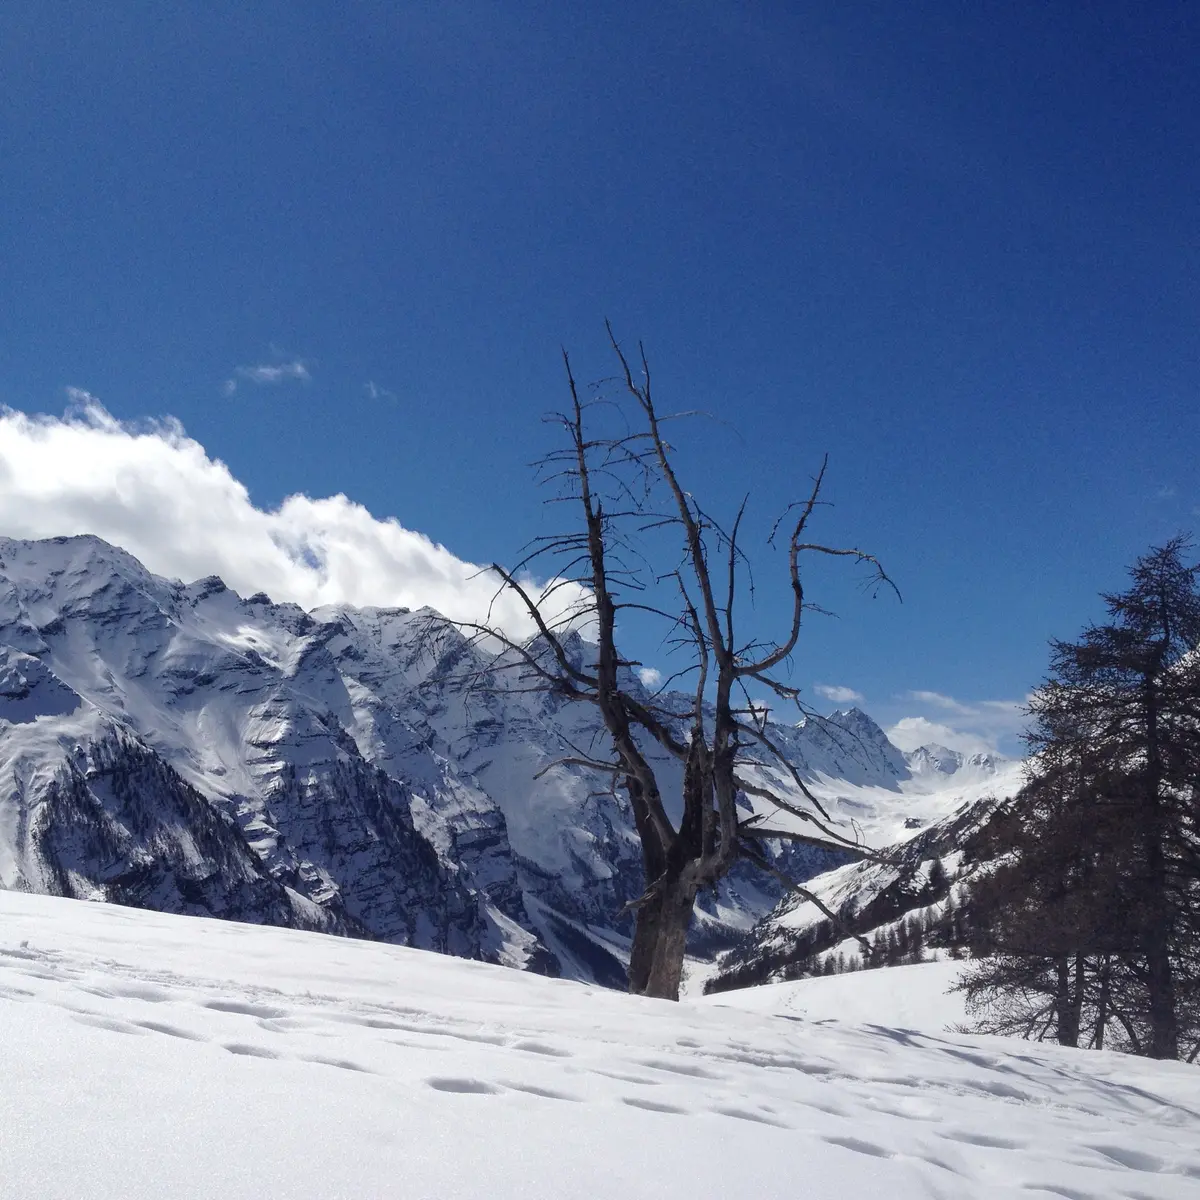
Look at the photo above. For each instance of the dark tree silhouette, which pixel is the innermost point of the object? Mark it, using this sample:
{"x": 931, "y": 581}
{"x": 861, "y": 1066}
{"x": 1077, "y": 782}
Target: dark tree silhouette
{"x": 624, "y": 489}
{"x": 1095, "y": 916}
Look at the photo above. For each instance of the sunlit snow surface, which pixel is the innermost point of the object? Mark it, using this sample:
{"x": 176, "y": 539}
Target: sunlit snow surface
{"x": 909, "y": 998}
{"x": 145, "y": 1055}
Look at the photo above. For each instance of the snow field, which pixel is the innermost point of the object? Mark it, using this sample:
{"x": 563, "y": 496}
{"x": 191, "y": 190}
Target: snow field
{"x": 910, "y": 998}
{"x": 146, "y": 1055}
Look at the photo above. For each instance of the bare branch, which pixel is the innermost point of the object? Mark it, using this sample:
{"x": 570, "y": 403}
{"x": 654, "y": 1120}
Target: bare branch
{"x": 592, "y": 764}
{"x": 748, "y": 829}
{"x": 629, "y": 499}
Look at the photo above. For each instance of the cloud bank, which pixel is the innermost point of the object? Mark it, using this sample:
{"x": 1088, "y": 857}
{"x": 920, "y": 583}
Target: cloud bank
{"x": 155, "y": 492}
{"x": 981, "y": 727}
{"x": 837, "y": 694}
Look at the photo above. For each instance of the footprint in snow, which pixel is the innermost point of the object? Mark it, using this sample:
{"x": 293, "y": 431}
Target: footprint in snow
{"x": 1135, "y": 1160}
{"x": 745, "y": 1114}
{"x": 477, "y": 1087}
{"x": 341, "y": 1063}
{"x": 533, "y": 1047}
{"x": 983, "y": 1139}
{"x": 99, "y": 1022}
{"x": 860, "y": 1147}
{"x": 653, "y": 1106}
{"x": 244, "y": 1008}
{"x": 639, "y": 1079}
{"x": 693, "y": 1070}
{"x": 1057, "y": 1190}
{"x": 544, "y": 1093}
{"x": 281, "y": 1024}
{"x": 137, "y": 991}
{"x": 170, "y": 1031}
{"x": 366, "y": 1022}
{"x": 248, "y": 1050}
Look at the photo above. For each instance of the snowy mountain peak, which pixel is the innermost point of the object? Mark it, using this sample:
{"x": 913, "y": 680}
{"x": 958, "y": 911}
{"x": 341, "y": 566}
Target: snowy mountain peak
{"x": 76, "y": 567}
{"x": 853, "y": 716}
{"x": 935, "y": 759}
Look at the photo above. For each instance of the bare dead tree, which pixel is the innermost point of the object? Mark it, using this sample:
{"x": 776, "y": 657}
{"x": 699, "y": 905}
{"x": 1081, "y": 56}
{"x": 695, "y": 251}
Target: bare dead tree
{"x": 624, "y": 488}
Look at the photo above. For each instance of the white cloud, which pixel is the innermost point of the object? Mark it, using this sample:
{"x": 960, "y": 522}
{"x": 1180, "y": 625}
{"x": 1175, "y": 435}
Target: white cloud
{"x": 375, "y": 392}
{"x": 268, "y": 374}
{"x": 275, "y": 373}
{"x": 650, "y": 676}
{"x": 938, "y": 701}
{"x": 910, "y": 732}
{"x": 157, "y": 493}
{"x": 838, "y": 695}
{"x": 974, "y": 727}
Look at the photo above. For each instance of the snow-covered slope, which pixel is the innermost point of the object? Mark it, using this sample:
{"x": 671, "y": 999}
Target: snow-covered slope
{"x": 148, "y": 1055}
{"x": 928, "y": 784}
{"x": 916, "y": 997}
{"x": 904, "y": 905}
{"x": 179, "y": 747}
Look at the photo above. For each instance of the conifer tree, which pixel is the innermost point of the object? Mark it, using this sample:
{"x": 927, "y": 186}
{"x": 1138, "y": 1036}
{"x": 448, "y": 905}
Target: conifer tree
{"x": 1095, "y": 916}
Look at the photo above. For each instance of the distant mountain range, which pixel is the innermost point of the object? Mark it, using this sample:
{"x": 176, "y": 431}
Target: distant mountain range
{"x": 178, "y": 747}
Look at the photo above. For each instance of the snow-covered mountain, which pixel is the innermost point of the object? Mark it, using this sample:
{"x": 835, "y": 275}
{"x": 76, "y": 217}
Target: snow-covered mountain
{"x": 906, "y": 903}
{"x": 177, "y": 747}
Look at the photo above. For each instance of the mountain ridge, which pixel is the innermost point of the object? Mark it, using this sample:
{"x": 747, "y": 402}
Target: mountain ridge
{"x": 343, "y": 751}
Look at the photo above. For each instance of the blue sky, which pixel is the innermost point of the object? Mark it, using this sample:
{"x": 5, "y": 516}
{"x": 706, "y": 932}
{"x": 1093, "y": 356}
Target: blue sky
{"x": 954, "y": 246}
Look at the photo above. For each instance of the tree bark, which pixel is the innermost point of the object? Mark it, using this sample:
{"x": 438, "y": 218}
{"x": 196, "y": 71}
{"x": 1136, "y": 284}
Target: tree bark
{"x": 1164, "y": 1022}
{"x": 660, "y": 940}
{"x": 1066, "y": 1005}
{"x": 1102, "y": 1004}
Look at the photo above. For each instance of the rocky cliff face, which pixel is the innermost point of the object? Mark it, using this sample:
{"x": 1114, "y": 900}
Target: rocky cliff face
{"x": 182, "y": 748}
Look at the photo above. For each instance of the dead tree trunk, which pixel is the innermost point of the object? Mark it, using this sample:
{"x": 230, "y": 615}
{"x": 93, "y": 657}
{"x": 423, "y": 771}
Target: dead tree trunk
{"x": 660, "y": 940}
{"x": 623, "y": 483}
